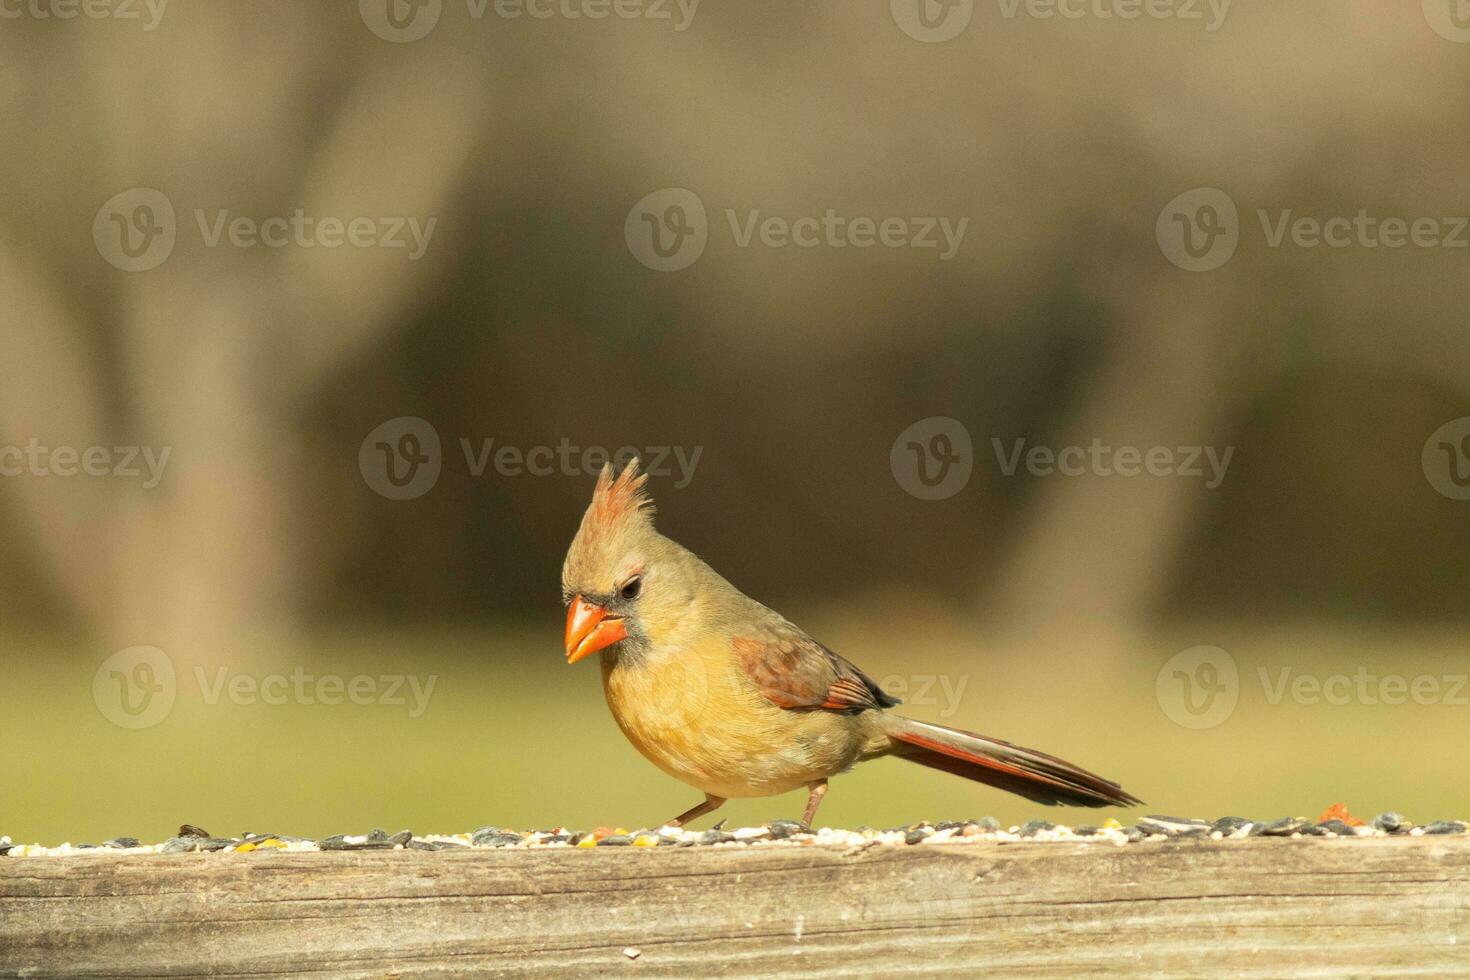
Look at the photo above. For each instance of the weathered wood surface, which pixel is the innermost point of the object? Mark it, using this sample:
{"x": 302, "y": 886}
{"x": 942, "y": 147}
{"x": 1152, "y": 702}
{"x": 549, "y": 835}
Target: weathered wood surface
{"x": 1268, "y": 908}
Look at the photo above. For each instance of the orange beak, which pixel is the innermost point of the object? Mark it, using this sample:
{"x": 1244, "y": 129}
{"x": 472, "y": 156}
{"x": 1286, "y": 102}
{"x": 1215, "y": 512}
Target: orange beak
{"x": 589, "y": 629}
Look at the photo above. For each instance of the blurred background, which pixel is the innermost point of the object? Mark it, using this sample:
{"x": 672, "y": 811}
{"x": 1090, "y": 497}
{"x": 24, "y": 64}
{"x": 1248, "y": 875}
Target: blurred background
{"x": 995, "y": 348}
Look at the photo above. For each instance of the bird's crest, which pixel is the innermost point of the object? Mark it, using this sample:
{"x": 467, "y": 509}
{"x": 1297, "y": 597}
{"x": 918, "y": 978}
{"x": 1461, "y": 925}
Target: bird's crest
{"x": 621, "y": 498}
{"x": 618, "y": 518}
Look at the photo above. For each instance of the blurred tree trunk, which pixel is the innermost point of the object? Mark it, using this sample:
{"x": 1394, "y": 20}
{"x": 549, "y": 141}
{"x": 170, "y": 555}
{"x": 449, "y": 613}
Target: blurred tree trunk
{"x": 1097, "y": 552}
{"x": 213, "y": 353}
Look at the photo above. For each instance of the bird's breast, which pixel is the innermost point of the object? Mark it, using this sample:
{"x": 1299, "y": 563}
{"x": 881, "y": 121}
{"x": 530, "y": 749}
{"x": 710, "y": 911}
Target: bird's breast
{"x": 696, "y": 718}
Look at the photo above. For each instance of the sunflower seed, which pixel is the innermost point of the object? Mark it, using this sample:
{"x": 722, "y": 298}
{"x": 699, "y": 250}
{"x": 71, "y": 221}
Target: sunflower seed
{"x": 782, "y": 829}
{"x": 1286, "y": 826}
{"x": 1035, "y": 827}
{"x": 1171, "y": 826}
{"x": 1393, "y": 823}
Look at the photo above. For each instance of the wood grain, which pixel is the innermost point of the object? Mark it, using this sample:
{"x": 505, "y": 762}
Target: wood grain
{"x": 1260, "y": 907}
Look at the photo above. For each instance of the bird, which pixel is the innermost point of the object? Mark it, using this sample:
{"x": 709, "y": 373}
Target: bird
{"x": 726, "y": 695}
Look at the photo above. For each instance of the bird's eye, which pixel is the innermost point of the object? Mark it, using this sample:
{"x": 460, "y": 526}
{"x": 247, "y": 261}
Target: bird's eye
{"x": 631, "y": 588}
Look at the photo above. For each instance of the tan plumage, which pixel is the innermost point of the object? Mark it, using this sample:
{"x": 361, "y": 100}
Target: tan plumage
{"x": 726, "y": 695}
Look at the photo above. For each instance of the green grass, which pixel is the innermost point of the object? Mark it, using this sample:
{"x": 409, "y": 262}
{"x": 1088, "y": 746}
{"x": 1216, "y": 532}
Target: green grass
{"x": 512, "y": 736}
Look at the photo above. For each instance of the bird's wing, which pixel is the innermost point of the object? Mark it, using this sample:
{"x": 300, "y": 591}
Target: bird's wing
{"x": 796, "y": 672}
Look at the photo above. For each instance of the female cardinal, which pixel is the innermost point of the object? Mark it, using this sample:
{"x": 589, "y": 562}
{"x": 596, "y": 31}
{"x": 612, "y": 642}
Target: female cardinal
{"x": 723, "y": 693}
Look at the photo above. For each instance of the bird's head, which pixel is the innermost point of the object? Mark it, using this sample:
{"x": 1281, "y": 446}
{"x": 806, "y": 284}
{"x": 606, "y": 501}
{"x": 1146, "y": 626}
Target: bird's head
{"x": 620, "y": 574}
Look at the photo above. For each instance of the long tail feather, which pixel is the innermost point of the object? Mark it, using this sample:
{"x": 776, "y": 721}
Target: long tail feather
{"x": 1035, "y": 775}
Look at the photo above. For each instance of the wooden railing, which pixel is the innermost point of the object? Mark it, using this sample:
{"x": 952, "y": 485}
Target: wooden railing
{"x": 1260, "y": 907}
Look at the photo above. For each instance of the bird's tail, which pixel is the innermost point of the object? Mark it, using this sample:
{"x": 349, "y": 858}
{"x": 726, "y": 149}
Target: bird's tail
{"x": 1035, "y": 775}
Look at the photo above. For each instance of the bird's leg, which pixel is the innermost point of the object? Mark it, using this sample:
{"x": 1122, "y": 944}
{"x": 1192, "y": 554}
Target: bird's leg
{"x": 818, "y": 790}
{"x": 710, "y": 804}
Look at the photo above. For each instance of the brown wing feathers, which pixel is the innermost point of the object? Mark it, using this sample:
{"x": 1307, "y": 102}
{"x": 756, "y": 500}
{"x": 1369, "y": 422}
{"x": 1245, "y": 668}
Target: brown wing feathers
{"x": 800, "y": 674}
